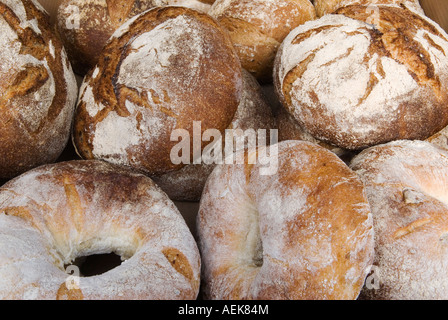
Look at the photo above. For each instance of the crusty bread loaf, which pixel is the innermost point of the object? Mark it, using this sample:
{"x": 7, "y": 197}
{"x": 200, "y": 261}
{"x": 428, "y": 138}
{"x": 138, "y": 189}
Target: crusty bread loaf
{"x": 161, "y": 71}
{"x": 303, "y": 232}
{"x": 55, "y": 214}
{"x": 86, "y": 25}
{"x": 406, "y": 185}
{"x": 201, "y": 5}
{"x": 330, "y": 6}
{"x": 38, "y": 89}
{"x": 257, "y": 28}
{"x": 254, "y": 112}
{"x": 354, "y": 84}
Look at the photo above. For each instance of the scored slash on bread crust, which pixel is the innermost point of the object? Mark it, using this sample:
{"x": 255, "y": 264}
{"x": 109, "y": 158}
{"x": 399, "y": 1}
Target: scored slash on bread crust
{"x": 38, "y": 89}
{"x": 151, "y": 88}
{"x": 353, "y": 84}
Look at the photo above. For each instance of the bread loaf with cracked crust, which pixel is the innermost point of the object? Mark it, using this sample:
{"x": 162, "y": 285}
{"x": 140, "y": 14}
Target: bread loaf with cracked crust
{"x": 162, "y": 70}
{"x": 354, "y": 84}
{"x": 38, "y": 89}
{"x": 257, "y": 28}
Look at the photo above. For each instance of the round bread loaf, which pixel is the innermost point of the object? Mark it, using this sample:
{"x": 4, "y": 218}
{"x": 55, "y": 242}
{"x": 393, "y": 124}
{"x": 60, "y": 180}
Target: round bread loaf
{"x": 330, "y": 6}
{"x": 353, "y": 84}
{"x": 253, "y": 113}
{"x": 86, "y": 25}
{"x": 161, "y": 71}
{"x": 38, "y": 89}
{"x": 257, "y": 28}
{"x": 289, "y": 129}
{"x": 302, "y": 232}
{"x": 55, "y": 214}
{"x": 406, "y": 184}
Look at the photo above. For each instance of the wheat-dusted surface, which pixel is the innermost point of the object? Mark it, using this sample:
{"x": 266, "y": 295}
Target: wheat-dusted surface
{"x": 56, "y": 213}
{"x": 257, "y": 28}
{"x": 254, "y": 112}
{"x": 407, "y": 187}
{"x": 303, "y": 233}
{"x": 353, "y": 84}
{"x": 330, "y": 6}
{"x": 86, "y": 25}
{"x": 162, "y": 70}
{"x": 38, "y": 89}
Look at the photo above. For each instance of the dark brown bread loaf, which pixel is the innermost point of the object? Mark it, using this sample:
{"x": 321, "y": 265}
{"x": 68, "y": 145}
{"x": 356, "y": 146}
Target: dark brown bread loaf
{"x": 38, "y": 89}
{"x": 159, "y": 72}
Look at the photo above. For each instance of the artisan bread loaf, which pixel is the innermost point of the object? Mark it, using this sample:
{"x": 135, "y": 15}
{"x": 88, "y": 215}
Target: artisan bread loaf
{"x": 161, "y": 71}
{"x": 257, "y": 28}
{"x": 354, "y": 84}
{"x": 86, "y": 25}
{"x": 38, "y": 89}
{"x": 330, "y": 6}
{"x": 406, "y": 185}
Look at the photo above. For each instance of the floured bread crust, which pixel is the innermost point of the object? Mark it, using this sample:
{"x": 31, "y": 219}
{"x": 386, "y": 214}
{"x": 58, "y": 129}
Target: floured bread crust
{"x": 330, "y": 6}
{"x": 303, "y": 233}
{"x": 257, "y": 28}
{"x": 162, "y": 70}
{"x": 38, "y": 89}
{"x": 407, "y": 188}
{"x": 355, "y": 81}
{"x": 56, "y": 213}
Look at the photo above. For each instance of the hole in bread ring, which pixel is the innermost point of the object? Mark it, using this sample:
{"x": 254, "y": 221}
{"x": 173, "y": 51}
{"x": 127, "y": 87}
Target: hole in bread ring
{"x": 303, "y": 232}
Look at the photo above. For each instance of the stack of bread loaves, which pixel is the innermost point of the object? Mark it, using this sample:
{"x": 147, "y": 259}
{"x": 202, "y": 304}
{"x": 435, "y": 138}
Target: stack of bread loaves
{"x": 350, "y": 203}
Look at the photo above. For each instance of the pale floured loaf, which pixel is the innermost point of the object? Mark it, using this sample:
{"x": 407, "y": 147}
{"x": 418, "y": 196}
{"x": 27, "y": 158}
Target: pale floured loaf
{"x": 406, "y": 185}
{"x": 302, "y": 233}
{"x": 52, "y": 215}
{"x": 257, "y": 28}
{"x": 354, "y": 84}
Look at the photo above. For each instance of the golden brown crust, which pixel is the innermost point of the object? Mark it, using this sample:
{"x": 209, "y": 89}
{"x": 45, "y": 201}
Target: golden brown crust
{"x": 406, "y": 188}
{"x": 304, "y": 232}
{"x": 258, "y": 27}
{"x": 85, "y": 27}
{"x": 194, "y": 86}
{"x": 38, "y": 90}
{"x": 330, "y": 6}
{"x": 254, "y": 112}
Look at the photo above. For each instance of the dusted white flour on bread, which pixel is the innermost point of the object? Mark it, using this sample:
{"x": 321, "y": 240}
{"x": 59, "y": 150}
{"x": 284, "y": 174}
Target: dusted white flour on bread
{"x": 407, "y": 187}
{"x": 346, "y": 84}
{"x": 61, "y": 212}
{"x": 288, "y": 235}
{"x": 164, "y": 72}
